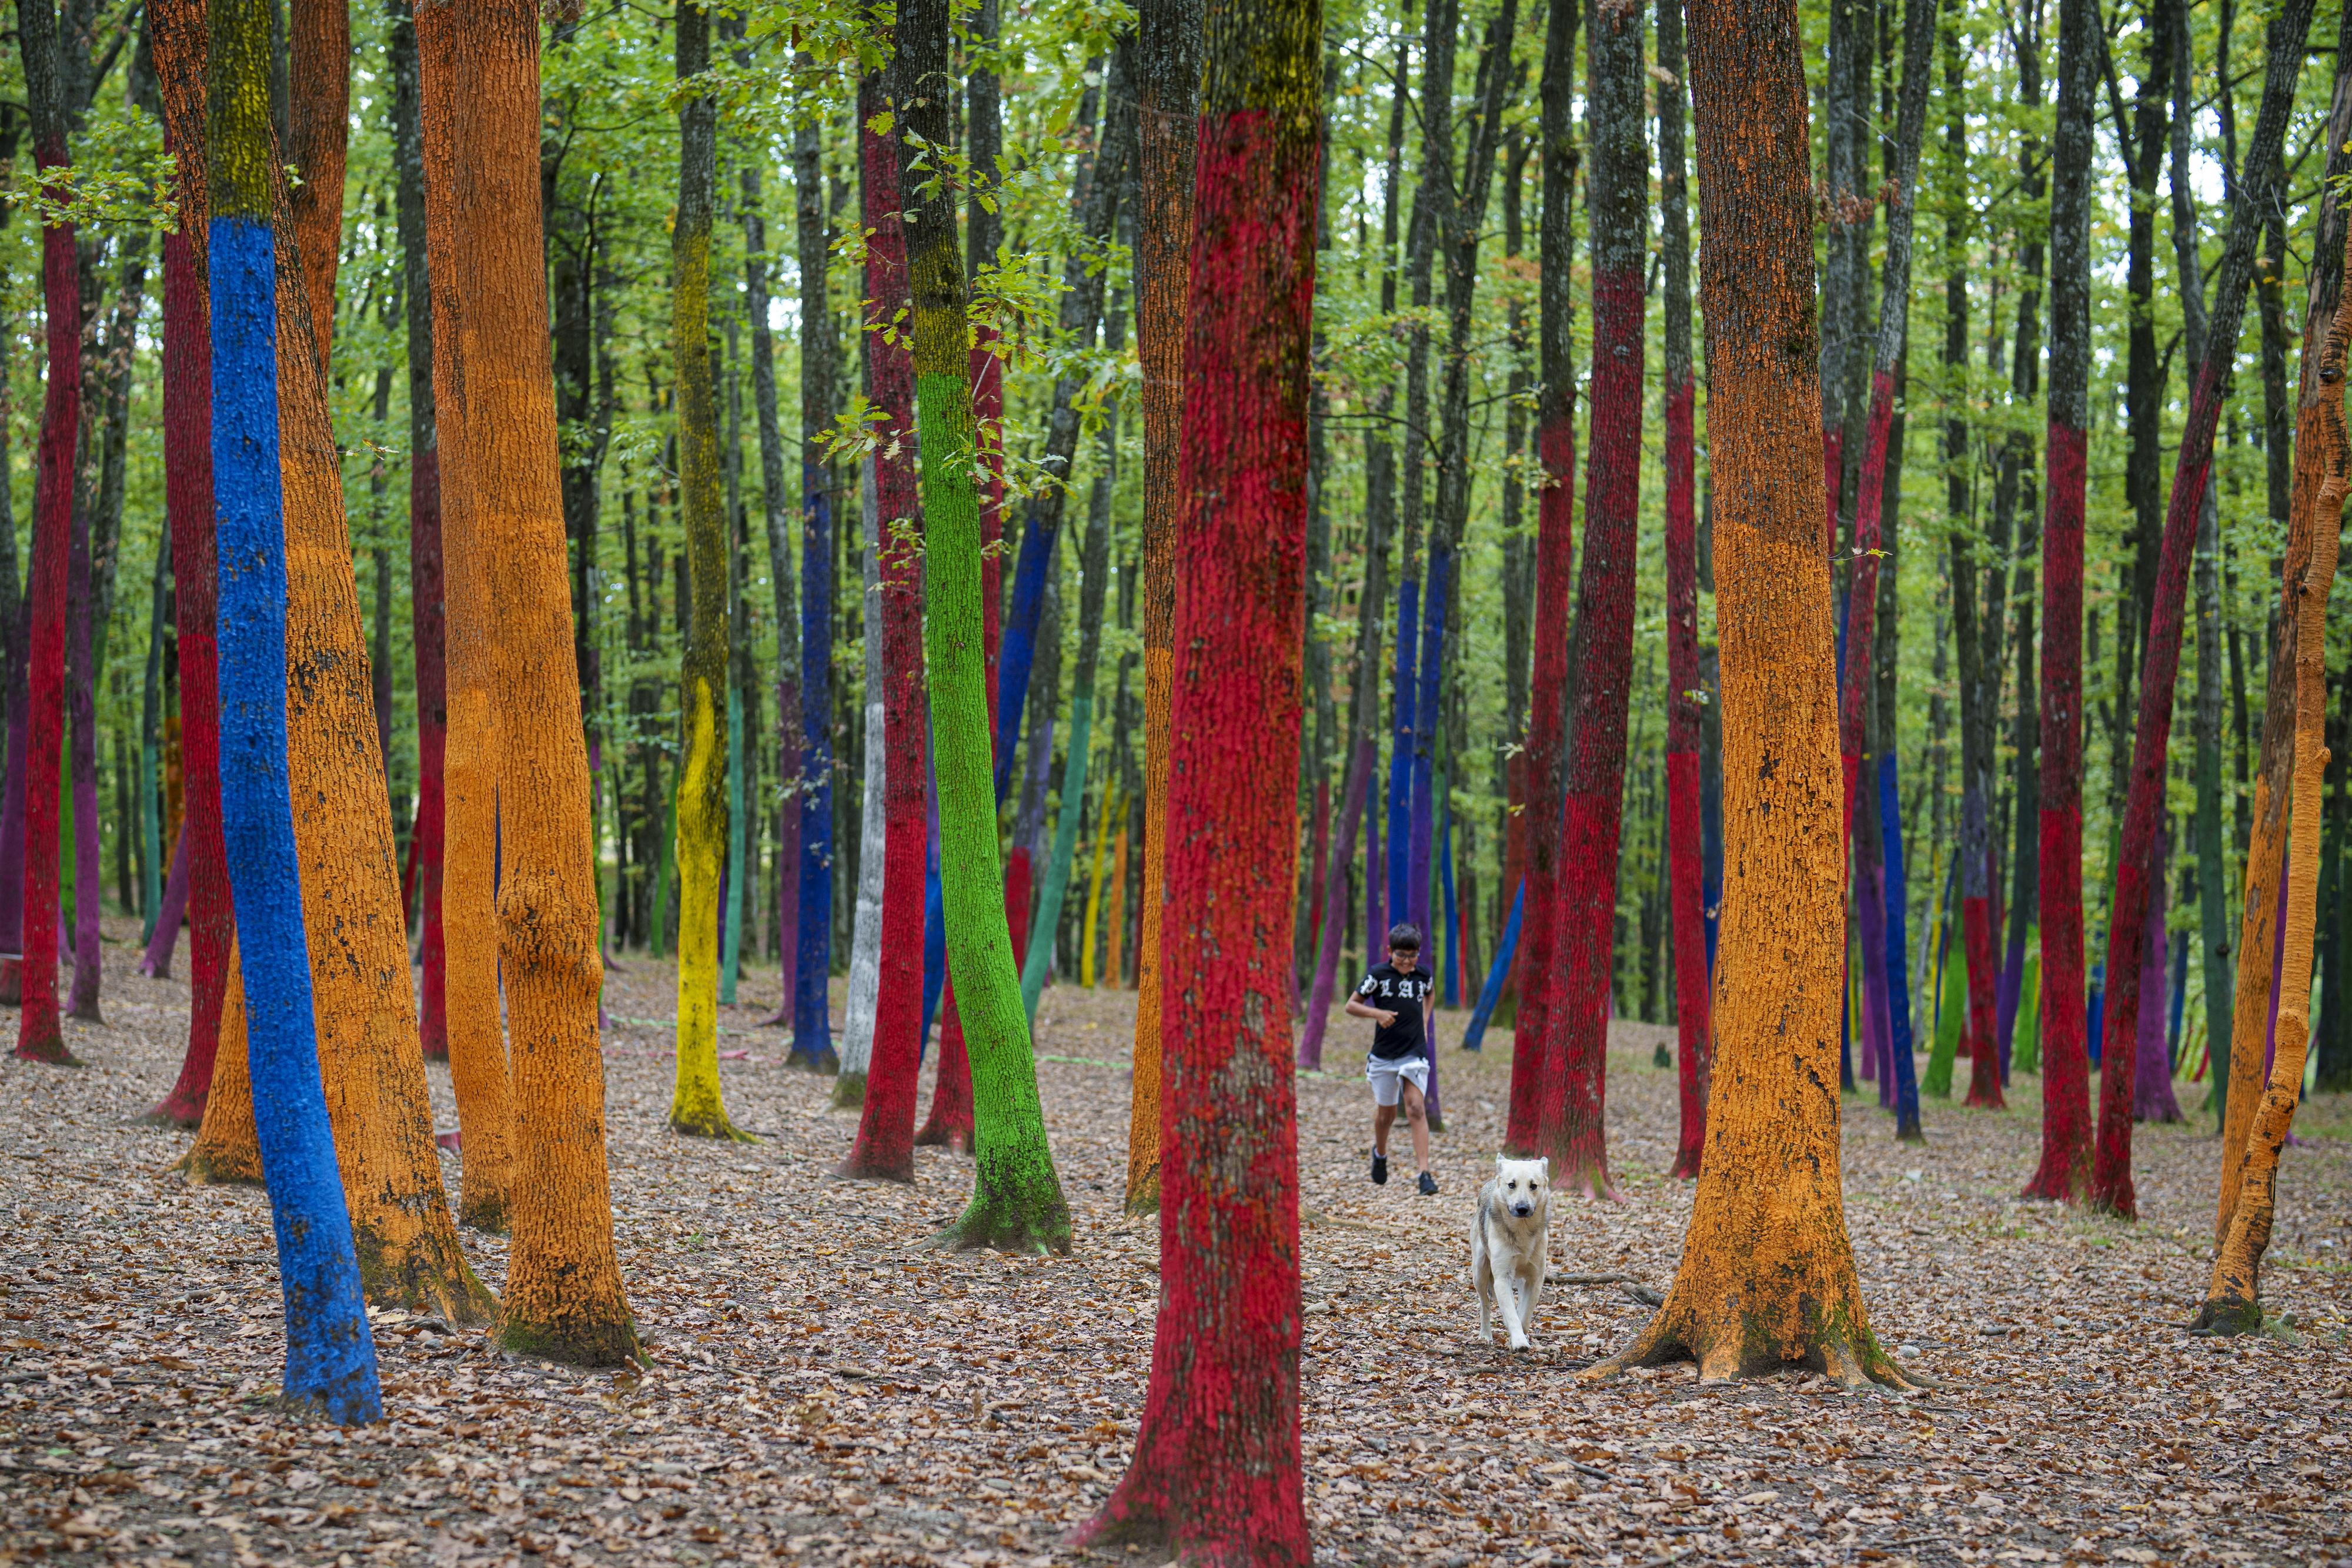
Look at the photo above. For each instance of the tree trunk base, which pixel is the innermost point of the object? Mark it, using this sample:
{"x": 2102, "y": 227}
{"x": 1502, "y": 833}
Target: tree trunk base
{"x": 827, "y": 1062}
{"x": 589, "y": 1343}
{"x": 417, "y": 1280}
{"x": 848, "y": 1092}
{"x": 2227, "y": 1317}
{"x": 51, "y": 1049}
{"x": 487, "y": 1215}
{"x": 1005, "y": 1222}
{"x": 214, "y": 1167}
{"x": 710, "y": 1124}
{"x": 934, "y": 1134}
{"x": 1143, "y": 1190}
{"x": 1727, "y": 1348}
{"x": 851, "y": 1169}
{"x": 184, "y": 1113}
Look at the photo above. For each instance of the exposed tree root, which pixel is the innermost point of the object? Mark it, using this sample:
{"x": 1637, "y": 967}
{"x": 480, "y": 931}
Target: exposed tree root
{"x": 1729, "y": 1347}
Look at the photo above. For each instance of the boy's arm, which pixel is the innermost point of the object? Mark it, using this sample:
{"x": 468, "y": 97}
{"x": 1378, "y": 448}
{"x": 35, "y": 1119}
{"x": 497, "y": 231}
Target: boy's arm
{"x": 1358, "y": 1009}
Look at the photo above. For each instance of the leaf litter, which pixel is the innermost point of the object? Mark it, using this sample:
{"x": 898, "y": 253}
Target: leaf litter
{"x": 824, "y": 1388}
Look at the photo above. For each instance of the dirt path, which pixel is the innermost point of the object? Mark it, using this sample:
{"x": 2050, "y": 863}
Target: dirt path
{"x": 827, "y": 1391}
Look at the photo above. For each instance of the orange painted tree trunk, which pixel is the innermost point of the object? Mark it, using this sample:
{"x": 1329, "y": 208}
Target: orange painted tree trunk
{"x": 564, "y": 1296}
{"x": 473, "y": 1029}
{"x": 1168, "y": 44}
{"x": 352, "y": 917}
{"x": 2111, "y": 1178}
{"x": 2233, "y": 1296}
{"x": 1767, "y": 1276}
{"x": 1217, "y": 1474}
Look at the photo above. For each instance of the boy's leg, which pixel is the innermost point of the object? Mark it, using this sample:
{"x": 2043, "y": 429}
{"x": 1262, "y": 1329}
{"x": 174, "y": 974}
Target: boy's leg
{"x": 1417, "y": 1116}
{"x": 1383, "y": 1118}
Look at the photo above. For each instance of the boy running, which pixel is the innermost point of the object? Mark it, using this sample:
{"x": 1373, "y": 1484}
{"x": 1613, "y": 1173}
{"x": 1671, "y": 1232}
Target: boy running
{"x": 1396, "y": 1068}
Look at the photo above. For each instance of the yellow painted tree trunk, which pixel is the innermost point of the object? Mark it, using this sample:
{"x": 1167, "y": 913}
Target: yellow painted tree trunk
{"x": 695, "y": 1106}
{"x": 1767, "y": 1277}
{"x": 471, "y": 761}
{"x": 2233, "y": 1297}
{"x": 565, "y": 1295}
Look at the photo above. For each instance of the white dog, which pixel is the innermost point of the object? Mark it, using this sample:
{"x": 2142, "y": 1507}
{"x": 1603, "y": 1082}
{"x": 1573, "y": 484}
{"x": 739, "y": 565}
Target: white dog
{"x": 1510, "y": 1244}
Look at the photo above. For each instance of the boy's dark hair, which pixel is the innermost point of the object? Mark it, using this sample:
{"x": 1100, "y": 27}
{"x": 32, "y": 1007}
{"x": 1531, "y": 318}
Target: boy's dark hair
{"x": 1405, "y": 936}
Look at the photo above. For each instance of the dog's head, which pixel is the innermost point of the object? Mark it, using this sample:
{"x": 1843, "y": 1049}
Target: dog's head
{"x": 1521, "y": 1185}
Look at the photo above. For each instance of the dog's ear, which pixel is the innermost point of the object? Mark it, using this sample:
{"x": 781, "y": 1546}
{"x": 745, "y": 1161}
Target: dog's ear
{"x": 1546, "y": 1163}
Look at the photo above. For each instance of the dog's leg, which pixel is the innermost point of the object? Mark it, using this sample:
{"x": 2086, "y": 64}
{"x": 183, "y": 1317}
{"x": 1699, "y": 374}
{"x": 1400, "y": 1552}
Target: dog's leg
{"x": 1507, "y": 1303}
{"x": 1535, "y": 1296}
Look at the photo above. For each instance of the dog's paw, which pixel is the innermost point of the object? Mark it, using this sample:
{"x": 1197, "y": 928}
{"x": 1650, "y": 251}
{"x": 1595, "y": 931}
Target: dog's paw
{"x": 1520, "y": 1342}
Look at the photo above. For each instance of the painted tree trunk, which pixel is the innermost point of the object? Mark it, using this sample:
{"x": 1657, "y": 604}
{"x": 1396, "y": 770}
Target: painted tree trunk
{"x": 329, "y": 1353}
{"x": 1216, "y": 1475}
{"x": 172, "y": 911}
{"x": 2239, "y": 1079}
{"x": 2064, "y": 1169}
{"x": 2233, "y": 1295}
{"x": 2111, "y": 1178}
{"x": 564, "y": 1296}
{"x": 1570, "y": 1130}
{"x": 865, "y": 924}
{"x": 1685, "y": 693}
{"x": 1497, "y": 975}
{"x": 2152, "y": 1097}
{"x": 1017, "y": 1202}
{"x": 1767, "y": 1276}
{"x": 1901, "y": 1064}
{"x": 39, "y": 1037}
{"x": 473, "y": 760}
{"x": 885, "y": 1129}
{"x": 701, "y": 811}
{"x": 149, "y": 818}
{"x": 731, "y": 904}
{"x": 1555, "y": 550}
{"x": 1168, "y": 44}
{"x": 1091, "y": 975}
{"x": 1335, "y": 913}
{"x": 81, "y": 1001}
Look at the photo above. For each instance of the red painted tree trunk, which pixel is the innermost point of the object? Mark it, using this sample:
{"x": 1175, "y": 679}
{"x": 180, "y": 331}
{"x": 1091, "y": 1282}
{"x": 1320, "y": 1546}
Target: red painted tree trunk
{"x": 1217, "y": 1473}
{"x": 2111, "y": 1179}
{"x": 886, "y": 1127}
{"x": 2064, "y": 1169}
{"x": 1555, "y": 553}
{"x": 1576, "y": 1025}
{"x": 1684, "y": 681}
{"x": 38, "y": 1036}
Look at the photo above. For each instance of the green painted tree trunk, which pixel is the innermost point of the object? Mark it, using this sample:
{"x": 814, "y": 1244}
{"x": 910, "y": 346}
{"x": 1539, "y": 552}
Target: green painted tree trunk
{"x": 1016, "y": 1202}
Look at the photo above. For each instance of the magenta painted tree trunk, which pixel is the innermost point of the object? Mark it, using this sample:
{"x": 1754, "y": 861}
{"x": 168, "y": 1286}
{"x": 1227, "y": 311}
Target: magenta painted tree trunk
{"x": 39, "y": 1037}
{"x": 2111, "y": 1178}
{"x": 1570, "y": 1128}
{"x": 1217, "y": 1474}
{"x": 1555, "y": 553}
{"x": 81, "y": 1001}
{"x": 886, "y": 1127}
{"x": 171, "y": 913}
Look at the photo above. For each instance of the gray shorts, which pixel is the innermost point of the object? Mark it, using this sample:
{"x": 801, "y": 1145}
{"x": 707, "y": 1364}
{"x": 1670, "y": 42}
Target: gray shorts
{"x": 1389, "y": 1076}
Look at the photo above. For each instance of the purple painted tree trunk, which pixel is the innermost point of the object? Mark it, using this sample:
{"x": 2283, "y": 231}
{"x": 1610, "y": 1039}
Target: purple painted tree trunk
{"x": 2152, "y": 1098}
{"x": 157, "y": 960}
{"x": 1877, "y": 1022}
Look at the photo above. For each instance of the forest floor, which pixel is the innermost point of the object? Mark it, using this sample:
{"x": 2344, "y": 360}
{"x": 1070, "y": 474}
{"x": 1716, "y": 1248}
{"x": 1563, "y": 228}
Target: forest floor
{"x": 827, "y": 1390}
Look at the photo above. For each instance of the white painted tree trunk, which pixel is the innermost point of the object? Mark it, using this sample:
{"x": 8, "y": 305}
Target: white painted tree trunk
{"x": 866, "y": 930}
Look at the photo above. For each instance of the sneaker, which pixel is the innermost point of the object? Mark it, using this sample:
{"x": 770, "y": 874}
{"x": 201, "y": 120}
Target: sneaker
{"x": 1380, "y": 1170}
{"x": 1428, "y": 1185}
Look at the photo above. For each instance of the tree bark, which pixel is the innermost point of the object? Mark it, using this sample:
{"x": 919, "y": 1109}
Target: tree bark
{"x": 885, "y": 1129}
{"x": 701, "y": 812}
{"x": 1768, "y": 1274}
{"x": 1168, "y": 44}
{"x": 1555, "y": 550}
{"x": 1017, "y": 1203}
{"x": 330, "y": 1356}
{"x": 1216, "y": 1475}
{"x": 2111, "y": 1180}
{"x": 1569, "y": 1128}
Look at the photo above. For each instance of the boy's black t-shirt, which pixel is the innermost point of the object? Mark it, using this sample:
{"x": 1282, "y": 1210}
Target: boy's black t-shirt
{"x": 1391, "y": 990}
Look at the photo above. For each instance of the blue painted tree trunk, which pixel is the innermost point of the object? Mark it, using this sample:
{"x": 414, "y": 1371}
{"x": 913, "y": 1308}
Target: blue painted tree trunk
{"x": 1424, "y": 740}
{"x": 1903, "y": 1070}
{"x": 813, "y": 963}
{"x": 330, "y": 1354}
{"x": 1399, "y": 814}
{"x": 1475, "y": 1037}
{"x": 1019, "y": 654}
